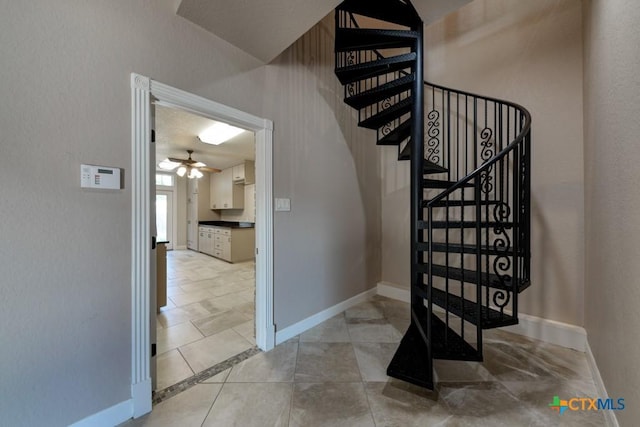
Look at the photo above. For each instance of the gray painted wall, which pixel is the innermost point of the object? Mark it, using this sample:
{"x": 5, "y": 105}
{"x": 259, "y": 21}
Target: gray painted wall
{"x": 612, "y": 199}
{"x": 327, "y": 248}
{"x": 65, "y": 290}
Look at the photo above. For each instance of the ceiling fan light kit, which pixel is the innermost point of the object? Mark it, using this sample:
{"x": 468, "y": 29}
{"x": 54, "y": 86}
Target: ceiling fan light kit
{"x": 195, "y": 173}
{"x": 188, "y": 167}
{"x": 168, "y": 165}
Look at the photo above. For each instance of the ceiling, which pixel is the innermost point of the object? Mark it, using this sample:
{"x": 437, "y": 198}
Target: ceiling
{"x": 177, "y": 131}
{"x": 264, "y": 29}
{"x": 433, "y": 10}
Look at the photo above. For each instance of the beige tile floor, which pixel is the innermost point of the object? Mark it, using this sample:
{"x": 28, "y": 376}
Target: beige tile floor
{"x": 209, "y": 315}
{"x": 334, "y": 375}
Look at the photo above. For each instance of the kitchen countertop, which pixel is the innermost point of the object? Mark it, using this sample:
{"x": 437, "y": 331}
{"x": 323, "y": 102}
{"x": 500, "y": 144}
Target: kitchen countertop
{"x": 228, "y": 224}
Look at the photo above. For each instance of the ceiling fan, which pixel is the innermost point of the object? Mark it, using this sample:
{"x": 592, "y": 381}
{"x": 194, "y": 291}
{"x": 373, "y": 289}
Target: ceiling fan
{"x": 190, "y": 167}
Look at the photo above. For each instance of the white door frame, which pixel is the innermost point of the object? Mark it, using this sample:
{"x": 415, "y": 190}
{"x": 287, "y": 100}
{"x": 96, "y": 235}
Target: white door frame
{"x": 143, "y": 89}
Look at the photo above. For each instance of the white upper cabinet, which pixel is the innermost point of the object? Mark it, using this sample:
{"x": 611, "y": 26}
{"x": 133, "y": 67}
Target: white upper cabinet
{"x": 224, "y": 193}
{"x": 244, "y": 173}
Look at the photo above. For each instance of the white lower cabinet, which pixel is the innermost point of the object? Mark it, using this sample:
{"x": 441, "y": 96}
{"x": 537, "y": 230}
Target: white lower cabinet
{"x": 205, "y": 240}
{"x": 229, "y": 244}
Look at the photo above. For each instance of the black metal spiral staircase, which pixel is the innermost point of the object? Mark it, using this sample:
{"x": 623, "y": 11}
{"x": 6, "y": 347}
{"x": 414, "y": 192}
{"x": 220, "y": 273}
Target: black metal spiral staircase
{"x": 470, "y": 185}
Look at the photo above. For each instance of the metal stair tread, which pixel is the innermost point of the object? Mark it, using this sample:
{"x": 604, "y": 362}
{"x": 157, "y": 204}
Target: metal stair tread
{"x": 348, "y": 39}
{"x": 387, "y": 115}
{"x": 396, "y": 135}
{"x": 397, "y": 13}
{"x": 469, "y": 276}
{"x": 459, "y": 203}
{"x": 405, "y": 153}
{"x": 423, "y": 225}
{"x": 438, "y": 183}
{"x": 365, "y": 70}
{"x": 380, "y": 93}
{"x": 458, "y": 248}
{"x": 466, "y": 309}
{"x": 429, "y": 167}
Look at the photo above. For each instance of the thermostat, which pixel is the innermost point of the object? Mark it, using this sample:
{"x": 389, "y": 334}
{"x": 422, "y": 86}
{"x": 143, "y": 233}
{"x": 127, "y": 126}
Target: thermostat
{"x": 100, "y": 177}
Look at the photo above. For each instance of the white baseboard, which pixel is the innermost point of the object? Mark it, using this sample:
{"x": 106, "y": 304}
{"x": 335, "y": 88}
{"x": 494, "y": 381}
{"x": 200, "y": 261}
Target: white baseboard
{"x": 393, "y": 291}
{"x": 308, "y": 323}
{"x": 109, "y": 417}
{"x": 549, "y": 331}
{"x": 609, "y": 416}
{"x": 137, "y": 406}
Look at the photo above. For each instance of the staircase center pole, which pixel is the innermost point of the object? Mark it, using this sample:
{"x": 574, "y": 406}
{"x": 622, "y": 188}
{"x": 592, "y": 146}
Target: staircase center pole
{"x": 417, "y": 161}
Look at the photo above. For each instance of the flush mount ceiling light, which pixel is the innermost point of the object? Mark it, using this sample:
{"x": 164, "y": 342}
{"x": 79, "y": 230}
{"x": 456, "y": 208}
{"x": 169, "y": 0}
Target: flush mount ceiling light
{"x": 219, "y": 133}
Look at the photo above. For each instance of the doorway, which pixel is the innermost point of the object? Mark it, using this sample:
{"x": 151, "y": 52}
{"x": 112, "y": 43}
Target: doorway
{"x": 208, "y": 314}
{"x": 143, "y": 91}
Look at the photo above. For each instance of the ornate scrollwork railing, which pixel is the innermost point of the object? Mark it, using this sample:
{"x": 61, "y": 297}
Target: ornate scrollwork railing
{"x": 485, "y": 147}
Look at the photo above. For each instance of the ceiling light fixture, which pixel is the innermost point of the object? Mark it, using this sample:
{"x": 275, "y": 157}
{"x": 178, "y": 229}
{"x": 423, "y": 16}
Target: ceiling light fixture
{"x": 195, "y": 173}
{"x": 219, "y": 133}
{"x": 168, "y": 165}
{"x": 189, "y": 167}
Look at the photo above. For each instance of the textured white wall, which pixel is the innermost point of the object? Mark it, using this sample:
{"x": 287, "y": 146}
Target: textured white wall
{"x": 65, "y": 292}
{"x": 528, "y": 52}
{"x": 612, "y": 151}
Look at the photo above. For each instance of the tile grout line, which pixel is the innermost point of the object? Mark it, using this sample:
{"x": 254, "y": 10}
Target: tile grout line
{"x": 212, "y": 403}
{"x": 293, "y": 381}
{"x": 193, "y": 371}
{"x": 362, "y": 382}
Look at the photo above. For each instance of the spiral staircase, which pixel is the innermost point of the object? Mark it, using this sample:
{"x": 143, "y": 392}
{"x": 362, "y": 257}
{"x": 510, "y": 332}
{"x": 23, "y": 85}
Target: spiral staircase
{"x": 470, "y": 185}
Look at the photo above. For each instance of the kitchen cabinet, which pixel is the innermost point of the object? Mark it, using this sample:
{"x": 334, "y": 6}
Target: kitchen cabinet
{"x": 224, "y": 194}
{"x": 244, "y": 173}
{"x": 229, "y": 244}
{"x": 198, "y": 195}
{"x": 205, "y": 240}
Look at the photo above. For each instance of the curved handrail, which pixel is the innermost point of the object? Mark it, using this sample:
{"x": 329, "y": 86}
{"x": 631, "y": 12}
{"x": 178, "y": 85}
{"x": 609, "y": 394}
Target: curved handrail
{"x": 526, "y": 128}
{"x": 487, "y": 165}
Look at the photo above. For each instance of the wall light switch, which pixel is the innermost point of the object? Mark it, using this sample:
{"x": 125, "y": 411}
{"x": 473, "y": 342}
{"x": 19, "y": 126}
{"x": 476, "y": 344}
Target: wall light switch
{"x": 283, "y": 205}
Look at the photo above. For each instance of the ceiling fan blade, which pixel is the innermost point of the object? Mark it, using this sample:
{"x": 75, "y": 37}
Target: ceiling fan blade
{"x": 213, "y": 170}
{"x": 175, "y": 160}
{"x": 168, "y": 168}
{"x": 198, "y": 165}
